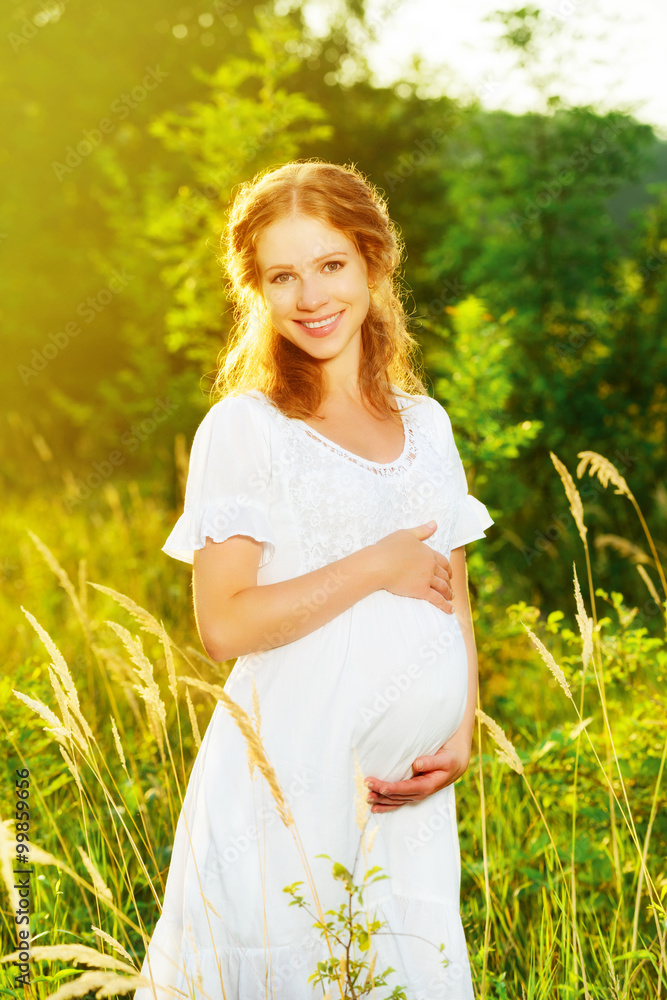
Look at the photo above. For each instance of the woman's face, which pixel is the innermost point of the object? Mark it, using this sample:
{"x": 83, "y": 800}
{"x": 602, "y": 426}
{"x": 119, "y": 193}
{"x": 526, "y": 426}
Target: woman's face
{"x": 315, "y": 285}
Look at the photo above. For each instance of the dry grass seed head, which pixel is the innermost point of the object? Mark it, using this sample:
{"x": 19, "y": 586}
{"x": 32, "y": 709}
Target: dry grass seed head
{"x": 118, "y": 744}
{"x": 370, "y": 836}
{"x": 193, "y": 719}
{"x": 254, "y": 748}
{"x": 123, "y": 676}
{"x": 8, "y": 860}
{"x": 583, "y": 621}
{"x": 106, "y": 984}
{"x": 150, "y": 692}
{"x": 55, "y": 726}
{"x": 101, "y": 888}
{"x": 146, "y": 620}
{"x": 624, "y": 547}
{"x": 68, "y": 722}
{"x": 361, "y": 794}
{"x": 169, "y": 661}
{"x": 576, "y": 506}
{"x": 549, "y": 660}
{"x": 61, "y": 575}
{"x": 505, "y": 751}
{"x": 116, "y": 945}
{"x": 77, "y": 953}
{"x": 73, "y": 769}
{"x": 59, "y": 664}
{"x": 604, "y": 470}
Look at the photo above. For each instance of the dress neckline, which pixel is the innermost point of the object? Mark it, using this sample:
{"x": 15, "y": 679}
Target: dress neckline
{"x": 351, "y": 455}
{"x": 361, "y": 458}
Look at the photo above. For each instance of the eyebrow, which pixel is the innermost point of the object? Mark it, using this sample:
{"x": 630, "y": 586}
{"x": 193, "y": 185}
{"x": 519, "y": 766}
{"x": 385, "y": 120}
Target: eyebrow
{"x": 316, "y": 260}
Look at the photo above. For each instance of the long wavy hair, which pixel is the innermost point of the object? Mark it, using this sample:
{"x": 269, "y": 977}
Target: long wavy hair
{"x": 257, "y": 356}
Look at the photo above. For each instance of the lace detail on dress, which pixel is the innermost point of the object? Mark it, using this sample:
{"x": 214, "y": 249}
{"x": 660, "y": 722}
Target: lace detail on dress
{"x": 379, "y": 468}
{"x": 339, "y": 508}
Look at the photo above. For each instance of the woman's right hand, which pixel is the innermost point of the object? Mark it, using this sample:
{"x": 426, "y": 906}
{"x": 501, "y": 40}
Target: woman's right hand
{"x": 411, "y": 569}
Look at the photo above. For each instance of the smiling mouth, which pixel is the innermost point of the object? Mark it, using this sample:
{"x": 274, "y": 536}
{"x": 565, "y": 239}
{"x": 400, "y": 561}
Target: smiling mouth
{"x": 317, "y": 324}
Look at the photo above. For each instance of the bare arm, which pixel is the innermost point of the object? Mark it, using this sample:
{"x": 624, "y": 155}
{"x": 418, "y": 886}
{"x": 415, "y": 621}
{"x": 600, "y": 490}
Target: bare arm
{"x": 462, "y": 738}
{"x": 236, "y": 617}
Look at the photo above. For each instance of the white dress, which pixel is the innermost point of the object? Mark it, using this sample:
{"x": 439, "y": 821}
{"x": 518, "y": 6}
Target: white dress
{"x": 387, "y": 677}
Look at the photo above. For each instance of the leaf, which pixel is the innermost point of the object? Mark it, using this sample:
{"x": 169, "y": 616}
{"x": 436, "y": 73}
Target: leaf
{"x": 373, "y": 870}
{"x": 363, "y": 940}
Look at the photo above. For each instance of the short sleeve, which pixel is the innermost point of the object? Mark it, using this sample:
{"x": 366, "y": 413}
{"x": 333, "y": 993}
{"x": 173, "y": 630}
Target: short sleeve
{"x": 229, "y": 481}
{"x": 472, "y": 517}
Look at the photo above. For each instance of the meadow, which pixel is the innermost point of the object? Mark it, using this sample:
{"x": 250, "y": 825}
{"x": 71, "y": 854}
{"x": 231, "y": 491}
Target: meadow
{"x": 534, "y": 280}
{"x": 107, "y": 694}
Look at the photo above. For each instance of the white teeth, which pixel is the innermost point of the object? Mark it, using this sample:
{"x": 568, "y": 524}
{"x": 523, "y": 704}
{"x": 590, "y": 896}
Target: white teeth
{"x": 322, "y": 322}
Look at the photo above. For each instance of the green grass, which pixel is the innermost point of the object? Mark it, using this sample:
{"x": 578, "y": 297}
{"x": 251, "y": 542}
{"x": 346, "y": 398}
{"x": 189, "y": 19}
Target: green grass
{"x": 561, "y": 816}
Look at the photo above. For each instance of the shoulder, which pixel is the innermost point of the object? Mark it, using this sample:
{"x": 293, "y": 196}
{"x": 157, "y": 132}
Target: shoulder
{"x": 440, "y": 414}
{"x": 244, "y": 415}
{"x": 434, "y": 422}
{"x": 251, "y": 401}
{"x": 428, "y": 408}
{"x": 254, "y": 410}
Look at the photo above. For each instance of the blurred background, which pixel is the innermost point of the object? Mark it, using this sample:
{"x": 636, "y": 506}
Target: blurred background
{"x": 523, "y": 154}
{"x": 515, "y": 155}
{"x": 534, "y": 226}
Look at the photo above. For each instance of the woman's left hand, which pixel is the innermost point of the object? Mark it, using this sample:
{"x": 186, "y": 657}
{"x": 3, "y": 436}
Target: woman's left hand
{"x": 431, "y": 774}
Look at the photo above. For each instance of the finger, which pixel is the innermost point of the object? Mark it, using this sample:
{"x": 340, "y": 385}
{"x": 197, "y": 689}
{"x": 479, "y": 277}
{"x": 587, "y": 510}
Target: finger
{"x": 422, "y": 784}
{"x": 384, "y": 801}
{"x": 408, "y": 786}
{"x": 444, "y": 563}
{"x": 445, "y": 593}
{"x": 442, "y": 761}
{"x": 385, "y": 797}
{"x": 376, "y": 799}
{"x": 423, "y": 765}
{"x": 443, "y": 585}
{"x": 417, "y": 790}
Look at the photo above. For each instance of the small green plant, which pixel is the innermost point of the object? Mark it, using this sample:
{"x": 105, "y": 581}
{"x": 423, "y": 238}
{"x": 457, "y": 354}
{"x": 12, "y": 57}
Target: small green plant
{"x": 349, "y": 927}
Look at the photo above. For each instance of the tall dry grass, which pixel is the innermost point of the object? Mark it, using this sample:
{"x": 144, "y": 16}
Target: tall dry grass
{"x": 562, "y": 828}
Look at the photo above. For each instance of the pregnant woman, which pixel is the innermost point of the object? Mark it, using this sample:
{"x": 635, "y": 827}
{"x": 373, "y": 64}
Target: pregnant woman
{"x": 326, "y": 514}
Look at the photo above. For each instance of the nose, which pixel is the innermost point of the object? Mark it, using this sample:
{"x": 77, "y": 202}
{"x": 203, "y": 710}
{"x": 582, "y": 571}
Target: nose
{"x": 312, "y": 293}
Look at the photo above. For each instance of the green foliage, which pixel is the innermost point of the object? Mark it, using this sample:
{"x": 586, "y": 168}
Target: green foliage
{"x": 246, "y": 120}
{"x": 580, "y": 295}
{"x": 513, "y": 212}
{"x": 350, "y": 929}
{"x": 249, "y": 121}
{"x": 472, "y": 375}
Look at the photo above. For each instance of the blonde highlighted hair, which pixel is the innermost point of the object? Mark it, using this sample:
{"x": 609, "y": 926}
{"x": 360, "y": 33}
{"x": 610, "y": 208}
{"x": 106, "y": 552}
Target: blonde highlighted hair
{"x": 257, "y": 356}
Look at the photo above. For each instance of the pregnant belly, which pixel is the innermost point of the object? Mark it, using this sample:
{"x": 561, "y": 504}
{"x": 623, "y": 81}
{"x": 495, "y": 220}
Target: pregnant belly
{"x": 407, "y": 681}
{"x": 388, "y": 677}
